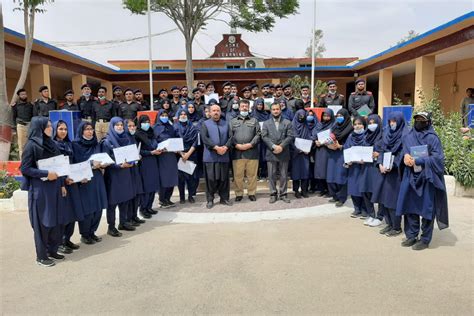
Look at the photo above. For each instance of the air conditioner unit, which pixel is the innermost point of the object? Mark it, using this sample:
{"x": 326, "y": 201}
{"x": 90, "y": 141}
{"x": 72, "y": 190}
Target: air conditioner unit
{"x": 254, "y": 62}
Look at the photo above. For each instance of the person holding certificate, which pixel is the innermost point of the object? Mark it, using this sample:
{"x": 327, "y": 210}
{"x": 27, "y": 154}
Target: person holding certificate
{"x": 167, "y": 161}
{"x": 43, "y": 196}
{"x": 321, "y": 152}
{"x": 71, "y": 209}
{"x": 311, "y": 121}
{"x": 386, "y": 191}
{"x": 118, "y": 180}
{"x": 187, "y": 131}
{"x": 336, "y": 173}
{"x": 261, "y": 115}
{"x": 300, "y": 158}
{"x": 422, "y": 194}
{"x": 148, "y": 165}
{"x": 93, "y": 193}
{"x": 356, "y": 138}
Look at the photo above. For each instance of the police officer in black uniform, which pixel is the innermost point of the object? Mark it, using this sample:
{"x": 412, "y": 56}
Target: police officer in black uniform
{"x": 288, "y": 95}
{"x": 140, "y": 100}
{"x": 176, "y": 98}
{"x": 359, "y": 98}
{"x": 306, "y": 95}
{"x": 128, "y": 109}
{"x": 254, "y": 90}
{"x": 44, "y": 104}
{"x": 332, "y": 97}
{"x": 86, "y": 102}
{"x": 198, "y": 100}
{"x": 118, "y": 97}
{"x": 69, "y": 105}
{"x": 22, "y": 114}
{"x": 102, "y": 112}
{"x": 225, "y": 101}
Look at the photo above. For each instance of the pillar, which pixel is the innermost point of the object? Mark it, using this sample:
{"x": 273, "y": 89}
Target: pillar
{"x": 276, "y": 81}
{"x": 385, "y": 90}
{"x": 39, "y": 76}
{"x": 77, "y": 81}
{"x": 424, "y": 78}
{"x": 109, "y": 87}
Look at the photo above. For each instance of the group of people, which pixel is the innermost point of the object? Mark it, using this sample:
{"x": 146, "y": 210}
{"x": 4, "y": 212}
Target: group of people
{"x": 233, "y": 135}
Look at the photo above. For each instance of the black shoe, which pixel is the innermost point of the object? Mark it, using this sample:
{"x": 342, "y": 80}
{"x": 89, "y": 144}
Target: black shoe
{"x": 363, "y": 215}
{"x": 71, "y": 245}
{"x": 210, "y": 205}
{"x": 420, "y": 245}
{"x": 182, "y": 201}
{"x": 138, "y": 220}
{"x": 339, "y": 204}
{"x": 87, "y": 240}
{"x": 170, "y": 203}
{"x": 56, "y": 256}
{"x": 96, "y": 238}
{"x": 191, "y": 200}
{"x": 355, "y": 214}
{"x": 333, "y": 200}
{"x": 151, "y": 211}
{"x": 273, "y": 199}
{"x": 409, "y": 242}
{"x": 327, "y": 196}
{"x": 393, "y": 233}
{"x": 385, "y": 230}
{"x": 323, "y": 193}
{"x": 252, "y": 198}
{"x": 126, "y": 227}
{"x": 225, "y": 202}
{"x": 64, "y": 250}
{"x": 45, "y": 262}
{"x": 305, "y": 195}
{"x": 238, "y": 198}
{"x": 112, "y": 231}
{"x": 297, "y": 195}
{"x": 285, "y": 199}
{"x": 133, "y": 223}
{"x": 145, "y": 214}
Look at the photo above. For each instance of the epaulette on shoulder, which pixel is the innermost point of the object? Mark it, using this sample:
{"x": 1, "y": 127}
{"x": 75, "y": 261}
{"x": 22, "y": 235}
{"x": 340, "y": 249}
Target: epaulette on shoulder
{"x": 353, "y": 93}
{"x": 341, "y": 95}
{"x": 323, "y": 95}
{"x": 369, "y": 93}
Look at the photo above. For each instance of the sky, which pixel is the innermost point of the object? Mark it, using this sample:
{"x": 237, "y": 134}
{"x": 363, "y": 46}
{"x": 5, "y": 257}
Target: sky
{"x": 351, "y": 28}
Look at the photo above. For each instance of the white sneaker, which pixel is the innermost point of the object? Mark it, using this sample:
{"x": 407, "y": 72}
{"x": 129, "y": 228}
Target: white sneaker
{"x": 375, "y": 222}
{"x": 368, "y": 221}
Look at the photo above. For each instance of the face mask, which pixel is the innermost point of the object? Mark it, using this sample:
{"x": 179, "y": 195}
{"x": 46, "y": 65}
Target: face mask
{"x": 359, "y": 131}
{"x": 164, "y": 119}
{"x": 88, "y": 138}
{"x": 235, "y": 106}
{"x": 310, "y": 118}
{"x": 332, "y": 92}
{"x": 244, "y": 113}
{"x": 86, "y": 95}
{"x": 393, "y": 126}
{"x": 145, "y": 126}
{"x": 232, "y": 95}
{"x": 372, "y": 127}
{"x": 183, "y": 119}
{"x": 132, "y": 132}
{"x": 419, "y": 125}
{"x": 301, "y": 119}
{"x": 339, "y": 119}
{"x": 116, "y": 129}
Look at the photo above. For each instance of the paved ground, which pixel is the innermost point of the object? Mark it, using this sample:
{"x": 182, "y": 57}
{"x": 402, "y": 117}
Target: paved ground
{"x": 329, "y": 264}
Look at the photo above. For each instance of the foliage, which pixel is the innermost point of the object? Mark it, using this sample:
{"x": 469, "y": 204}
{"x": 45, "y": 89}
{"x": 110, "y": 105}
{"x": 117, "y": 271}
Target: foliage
{"x": 318, "y": 46}
{"x": 458, "y": 152}
{"x": 14, "y": 152}
{"x": 411, "y": 34}
{"x": 296, "y": 82}
{"x": 8, "y": 185}
{"x": 396, "y": 100}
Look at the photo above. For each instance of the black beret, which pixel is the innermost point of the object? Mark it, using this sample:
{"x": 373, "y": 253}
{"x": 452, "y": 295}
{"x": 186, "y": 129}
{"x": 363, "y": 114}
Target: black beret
{"x": 137, "y": 90}
{"x": 126, "y": 90}
{"x": 162, "y": 90}
{"x": 20, "y": 91}
{"x": 43, "y": 88}
{"x": 253, "y": 85}
{"x": 103, "y": 88}
{"x": 245, "y": 89}
{"x": 116, "y": 88}
{"x": 209, "y": 84}
{"x": 305, "y": 86}
{"x": 330, "y": 82}
{"x": 359, "y": 80}
{"x": 174, "y": 88}
{"x": 227, "y": 83}
{"x": 286, "y": 85}
{"x": 85, "y": 85}
{"x": 266, "y": 85}
{"x": 68, "y": 92}
{"x": 196, "y": 90}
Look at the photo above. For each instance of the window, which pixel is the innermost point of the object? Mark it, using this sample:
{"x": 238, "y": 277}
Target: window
{"x": 305, "y": 65}
{"x": 162, "y": 67}
{"x": 233, "y": 66}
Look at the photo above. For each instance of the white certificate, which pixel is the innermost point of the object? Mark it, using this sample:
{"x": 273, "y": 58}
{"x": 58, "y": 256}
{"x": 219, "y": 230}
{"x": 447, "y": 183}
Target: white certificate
{"x": 126, "y": 154}
{"x": 303, "y": 144}
{"x": 207, "y": 98}
{"x": 172, "y": 144}
{"x": 103, "y": 158}
{"x": 348, "y": 155}
{"x": 324, "y": 136}
{"x": 335, "y": 108}
{"x": 261, "y": 125}
{"x": 80, "y": 171}
{"x": 58, "y": 164}
{"x": 358, "y": 154}
{"x": 186, "y": 166}
{"x": 387, "y": 160}
{"x": 268, "y": 103}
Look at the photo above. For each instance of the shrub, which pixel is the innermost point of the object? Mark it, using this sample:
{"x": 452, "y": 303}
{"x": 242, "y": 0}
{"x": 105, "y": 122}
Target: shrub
{"x": 8, "y": 185}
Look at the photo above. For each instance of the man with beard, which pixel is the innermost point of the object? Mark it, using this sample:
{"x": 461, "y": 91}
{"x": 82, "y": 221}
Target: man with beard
{"x": 184, "y": 92}
{"x": 176, "y": 99}
{"x": 254, "y": 91}
{"x": 202, "y": 87}
{"x": 210, "y": 89}
{"x": 22, "y": 114}
{"x": 102, "y": 112}
{"x": 85, "y": 103}
{"x": 233, "y": 90}
{"x": 128, "y": 109}
{"x": 69, "y": 105}
{"x": 118, "y": 97}
{"x": 140, "y": 100}
{"x": 359, "y": 98}
{"x": 278, "y": 91}
{"x": 288, "y": 95}
{"x": 266, "y": 91}
{"x": 306, "y": 96}
{"x": 198, "y": 100}
{"x": 246, "y": 94}
{"x": 332, "y": 97}
{"x": 225, "y": 100}
{"x": 44, "y": 104}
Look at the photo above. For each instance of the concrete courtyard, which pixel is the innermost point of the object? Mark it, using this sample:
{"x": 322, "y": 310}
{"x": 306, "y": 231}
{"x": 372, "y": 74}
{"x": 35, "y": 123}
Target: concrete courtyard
{"x": 325, "y": 264}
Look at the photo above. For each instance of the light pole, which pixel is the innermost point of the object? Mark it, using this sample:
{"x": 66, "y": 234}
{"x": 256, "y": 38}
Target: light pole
{"x": 150, "y": 61}
{"x": 313, "y": 52}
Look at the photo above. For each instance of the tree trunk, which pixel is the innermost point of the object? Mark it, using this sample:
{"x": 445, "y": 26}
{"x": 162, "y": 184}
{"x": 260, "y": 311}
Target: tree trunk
{"x": 29, "y": 16}
{"x": 5, "y": 110}
{"x": 189, "y": 63}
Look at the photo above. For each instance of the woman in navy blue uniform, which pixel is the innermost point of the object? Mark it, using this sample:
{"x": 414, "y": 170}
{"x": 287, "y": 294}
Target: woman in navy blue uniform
{"x": 321, "y": 152}
{"x": 148, "y": 165}
{"x": 285, "y": 111}
{"x": 422, "y": 191}
{"x": 356, "y": 138}
{"x": 261, "y": 115}
{"x": 300, "y": 159}
{"x": 386, "y": 191}
{"x": 72, "y": 209}
{"x": 93, "y": 193}
{"x": 185, "y": 129}
{"x": 118, "y": 179}
{"x": 167, "y": 161}
{"x": 43, "y": 196}
{"x": 312, "y": 121}
{"x": 193, "y": 115}
{"x": 336, "y": 173}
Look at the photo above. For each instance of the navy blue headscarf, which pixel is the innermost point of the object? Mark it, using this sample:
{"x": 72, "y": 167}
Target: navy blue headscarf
{"x": 373, "y": 138}
{"x": 192, "y": 117}
{"x": 355, "y": 139}
{"x": 163, "y": 131}
{"x": 187, "y": 131}
{"x": 324, "y": 125}
{"x": 342, "y": 130}
{"x": 116, "y": 139}
{"x": 82, "y": 147}
{"x": 260, "y": 115}
{"x": 45, "y": 147}
{"x": 301, "y": 129}
{"x": 64, "y": 145}
{"x": 392, "y": 140}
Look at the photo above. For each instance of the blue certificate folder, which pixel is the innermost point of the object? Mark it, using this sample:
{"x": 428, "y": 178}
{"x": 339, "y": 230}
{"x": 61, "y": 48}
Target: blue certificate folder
{"x": 72, "y": 119}
{"x": 419, "y": 152}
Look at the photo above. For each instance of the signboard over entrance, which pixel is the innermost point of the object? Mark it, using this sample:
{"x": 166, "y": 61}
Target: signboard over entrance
{"x": 231, "y": 46}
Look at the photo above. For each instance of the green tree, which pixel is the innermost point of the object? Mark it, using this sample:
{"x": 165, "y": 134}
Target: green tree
{"x": 191, "y": 16}
{"x": 319, "y": 47}
{"x": 411, "y": 34}
{"x": 297, "y": 82}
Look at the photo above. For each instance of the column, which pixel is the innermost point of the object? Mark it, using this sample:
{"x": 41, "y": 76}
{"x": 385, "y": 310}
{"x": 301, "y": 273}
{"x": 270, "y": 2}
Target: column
{"x": 108, "y": 85}
{"x": 385, "y": 90}
{"x": 77, "y": 81}
{"x": 39, "y": 76}
{"x": 424, "y": 78}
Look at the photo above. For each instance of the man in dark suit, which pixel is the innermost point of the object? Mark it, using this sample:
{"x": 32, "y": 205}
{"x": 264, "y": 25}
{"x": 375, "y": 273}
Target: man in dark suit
{"x": 277, "y": 134}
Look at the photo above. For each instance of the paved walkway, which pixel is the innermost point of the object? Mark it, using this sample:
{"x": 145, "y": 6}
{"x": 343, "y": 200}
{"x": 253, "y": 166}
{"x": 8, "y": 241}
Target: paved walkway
{"x": 325, "y": 264}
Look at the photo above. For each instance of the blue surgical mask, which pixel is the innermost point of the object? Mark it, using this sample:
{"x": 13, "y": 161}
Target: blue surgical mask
{"x": 164, "y": 119}
{"x": 132, "y": 132}
{"x": 87, "y": 95}
{"x": 310, "y": 118}
{"x": 359, "y": 131}
{"x": 339, "y": 119}
{"x": 393, "y": 126}
{"x": 244, "y": 113}
{"x": 372, "y": 127}
{"x": 145, "y": 126}
{"x": 183, "y": 119}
